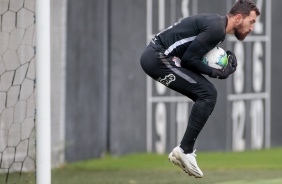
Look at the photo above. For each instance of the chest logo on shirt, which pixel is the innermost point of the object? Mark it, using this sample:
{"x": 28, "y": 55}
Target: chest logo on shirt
{"x": 167, "y": 79}
{"x": 154, "y": 40}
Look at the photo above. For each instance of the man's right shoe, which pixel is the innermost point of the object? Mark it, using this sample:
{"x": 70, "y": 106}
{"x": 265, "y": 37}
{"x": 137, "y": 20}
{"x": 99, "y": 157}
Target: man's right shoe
{"x": 187, "y": 162}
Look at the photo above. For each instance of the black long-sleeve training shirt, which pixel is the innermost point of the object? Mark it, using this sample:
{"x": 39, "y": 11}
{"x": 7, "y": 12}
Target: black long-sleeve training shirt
{"x": 191, "y": 38}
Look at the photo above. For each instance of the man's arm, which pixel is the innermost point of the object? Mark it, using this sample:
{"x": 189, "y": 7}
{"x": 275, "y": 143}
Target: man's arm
{"x": 192, "y": 60}
{"x": 193, "y": 56}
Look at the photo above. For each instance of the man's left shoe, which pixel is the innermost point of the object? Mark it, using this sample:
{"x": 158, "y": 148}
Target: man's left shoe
{"x": 174, "y": 161}
{"x": 187, "y": 162}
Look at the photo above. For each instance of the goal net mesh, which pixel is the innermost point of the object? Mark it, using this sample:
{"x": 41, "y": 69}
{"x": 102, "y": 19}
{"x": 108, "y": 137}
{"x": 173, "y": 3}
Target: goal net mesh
{"x": 17, "y": 89}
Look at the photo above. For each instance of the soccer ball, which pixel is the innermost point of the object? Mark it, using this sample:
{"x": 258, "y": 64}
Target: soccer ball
{"x": 216, "y": 58}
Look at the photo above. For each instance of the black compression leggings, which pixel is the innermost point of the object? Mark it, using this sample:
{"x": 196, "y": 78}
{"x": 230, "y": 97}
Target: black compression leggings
{"x": 195, "y": 86}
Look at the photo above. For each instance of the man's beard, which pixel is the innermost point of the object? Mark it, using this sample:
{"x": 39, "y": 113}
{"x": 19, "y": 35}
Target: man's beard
{"x": 239, "y": 35}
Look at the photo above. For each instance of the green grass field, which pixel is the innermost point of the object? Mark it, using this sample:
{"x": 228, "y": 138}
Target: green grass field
{"x": 250, "y": 167}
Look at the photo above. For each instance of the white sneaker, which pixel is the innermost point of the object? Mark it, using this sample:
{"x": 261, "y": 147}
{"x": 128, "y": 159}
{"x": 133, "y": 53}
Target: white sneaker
{"x": 187, "y": 162}
{"x": 174, "y": 161}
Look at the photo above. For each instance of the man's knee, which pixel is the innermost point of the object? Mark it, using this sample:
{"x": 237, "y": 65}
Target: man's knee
{"x": 212, "y": 95}
{"x": 208, "y": 100}
{"x": 200, "y": 113}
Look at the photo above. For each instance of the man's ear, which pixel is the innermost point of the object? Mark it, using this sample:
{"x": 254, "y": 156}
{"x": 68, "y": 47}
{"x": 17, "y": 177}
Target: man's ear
{"x": 239, "y": 19}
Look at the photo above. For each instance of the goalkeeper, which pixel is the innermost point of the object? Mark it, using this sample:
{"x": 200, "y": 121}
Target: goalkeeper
{"x": 190, "y": 39}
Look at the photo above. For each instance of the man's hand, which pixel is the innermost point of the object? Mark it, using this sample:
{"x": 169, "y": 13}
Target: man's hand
{"x": 228, "y": 70}
{"x": 232, "y": 59}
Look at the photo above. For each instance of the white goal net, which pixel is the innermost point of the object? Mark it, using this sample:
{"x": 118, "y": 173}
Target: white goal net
{"x": 17, "y": 89}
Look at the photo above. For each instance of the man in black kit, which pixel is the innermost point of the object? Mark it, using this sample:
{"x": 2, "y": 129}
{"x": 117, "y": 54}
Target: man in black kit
{"x": 173, "y": 58}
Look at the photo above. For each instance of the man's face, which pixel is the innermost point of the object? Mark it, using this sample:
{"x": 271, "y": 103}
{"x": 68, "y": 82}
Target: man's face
{"x": 245, "y": 27}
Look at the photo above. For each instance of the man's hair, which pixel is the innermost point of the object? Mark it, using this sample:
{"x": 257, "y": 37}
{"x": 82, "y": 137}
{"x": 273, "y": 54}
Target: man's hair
{"x": 243, "y": 7}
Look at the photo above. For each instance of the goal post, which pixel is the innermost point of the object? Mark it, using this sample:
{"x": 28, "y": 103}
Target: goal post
{"x": 43, "y": 99}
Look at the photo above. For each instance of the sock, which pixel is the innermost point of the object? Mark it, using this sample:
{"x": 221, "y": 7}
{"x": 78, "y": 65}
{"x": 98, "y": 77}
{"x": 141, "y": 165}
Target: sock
{"x": 181, "y": 149}
{"x": 197, "y": 120}
{"x": 189, "y": 139}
